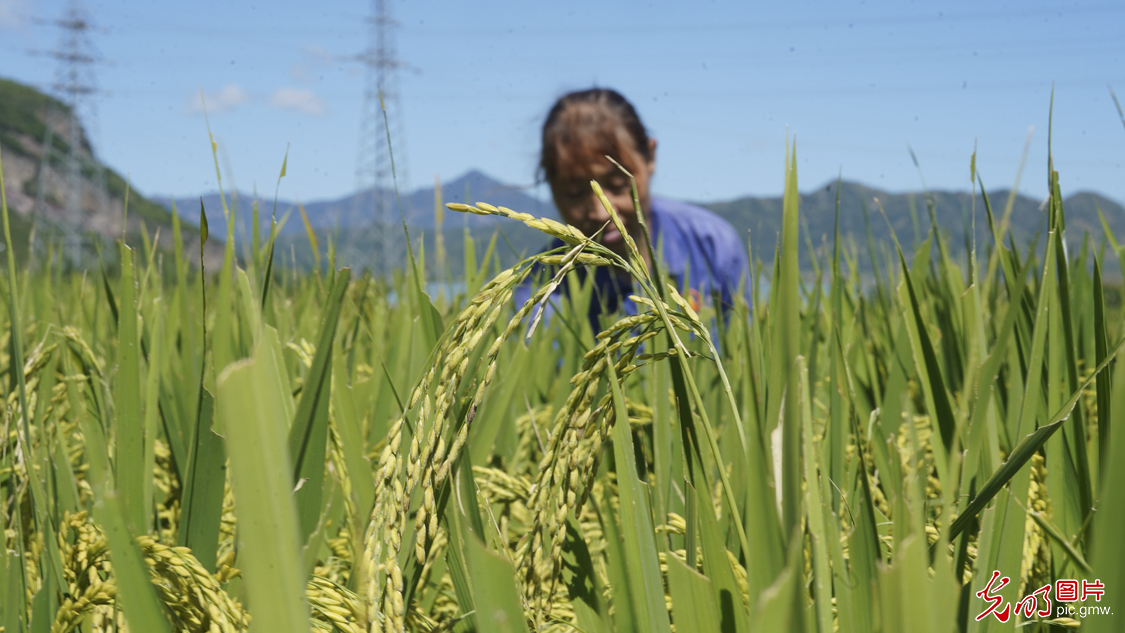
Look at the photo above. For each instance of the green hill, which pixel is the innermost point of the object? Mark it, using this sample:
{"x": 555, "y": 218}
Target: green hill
{"x": 28, "y": 118}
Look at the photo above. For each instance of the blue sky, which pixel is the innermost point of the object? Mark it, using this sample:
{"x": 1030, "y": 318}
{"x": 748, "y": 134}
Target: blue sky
{"x": 718, "y": 84}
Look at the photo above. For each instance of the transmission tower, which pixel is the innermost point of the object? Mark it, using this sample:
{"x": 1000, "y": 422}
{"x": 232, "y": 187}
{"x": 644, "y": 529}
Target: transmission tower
{"x": 375, "y": 181}
{"x": 75, "y": 88}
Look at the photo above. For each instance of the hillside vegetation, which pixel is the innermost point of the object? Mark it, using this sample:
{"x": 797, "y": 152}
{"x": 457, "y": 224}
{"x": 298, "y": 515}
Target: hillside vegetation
{"x": 868, "y": 211}
{"x": 27, "y": 119}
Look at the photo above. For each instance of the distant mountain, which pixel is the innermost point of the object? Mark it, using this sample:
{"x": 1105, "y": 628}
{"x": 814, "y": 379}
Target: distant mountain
{"x": 757, "y": 219}
{"x": 909, "y": 215}
{"x": 349, "y": 221}
{"x": 357, "y": 210}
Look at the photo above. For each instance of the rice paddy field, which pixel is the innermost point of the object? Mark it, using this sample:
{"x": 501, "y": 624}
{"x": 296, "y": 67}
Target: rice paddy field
{"x": 262, "y": 448}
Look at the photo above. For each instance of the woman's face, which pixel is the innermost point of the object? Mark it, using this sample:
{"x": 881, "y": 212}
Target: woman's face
{"x": 578, "y": 206}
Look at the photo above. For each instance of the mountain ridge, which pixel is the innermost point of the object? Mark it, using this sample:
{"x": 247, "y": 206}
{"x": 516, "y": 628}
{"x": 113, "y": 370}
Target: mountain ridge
{"x": 908, "y": 216}
{"x": 756, "y": 219}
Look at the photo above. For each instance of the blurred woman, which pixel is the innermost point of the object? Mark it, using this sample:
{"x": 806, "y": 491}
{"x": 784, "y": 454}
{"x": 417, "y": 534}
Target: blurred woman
{"x": 697, "y": 248}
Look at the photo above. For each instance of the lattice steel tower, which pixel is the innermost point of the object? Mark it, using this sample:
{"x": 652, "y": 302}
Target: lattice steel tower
{"x": 374, "y": 178}
{"x": 76, "y": 88}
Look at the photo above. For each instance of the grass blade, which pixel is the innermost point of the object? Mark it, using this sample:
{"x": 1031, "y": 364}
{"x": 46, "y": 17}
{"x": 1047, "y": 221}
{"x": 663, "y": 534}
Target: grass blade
{"x": 457, "y": 560}
{"x": 314, "y": 245}
{"x": 1108, "y": 550}
{"x": 693, "y": 600}
{"x": 1076, "y": 431}
{"x": 222, "y": 335}
{"x": 249, "y": 408}
{"x": 135, "y": 591}
{"x": 583, "y": 583}
{"x": 822, "y": 577}
{"x": 14, "y": 321}
{"x": 646, "y": 590}
{"x": 1024, "y": 450}
{"x": 308, "y": 436}
{"x": 497, "y": 601}
{"x": 788, "y": 344}
{"x": 128, "y": 422}
{"x": 351, "y": 436}
{"x": 1105, "y": 378}
{"x": 926, "y": 362}
{"x": 202, "y": 495}
{"x": 776, "y": 610}
{"x": 733, "y": 614}
{"x": 1055, "y": 533}
{"x": 152, "y": 412}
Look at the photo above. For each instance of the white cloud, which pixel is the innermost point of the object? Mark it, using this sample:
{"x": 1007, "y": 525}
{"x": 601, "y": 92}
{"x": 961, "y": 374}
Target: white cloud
{"x": 13, "y": 13}
{"x": 304, "y": 101}
{"x": 313, "y": 51}
{"x": 225, "y": 100}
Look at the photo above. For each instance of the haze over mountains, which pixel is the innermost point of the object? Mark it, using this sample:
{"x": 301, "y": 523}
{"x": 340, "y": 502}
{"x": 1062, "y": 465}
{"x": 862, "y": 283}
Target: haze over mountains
{"x": 356, "y": 210}
{"x": 757, "y": 219}
{"x": 349, "y": 221}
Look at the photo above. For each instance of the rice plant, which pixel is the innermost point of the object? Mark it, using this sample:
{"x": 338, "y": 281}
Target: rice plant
{"x": 276, "y": 450}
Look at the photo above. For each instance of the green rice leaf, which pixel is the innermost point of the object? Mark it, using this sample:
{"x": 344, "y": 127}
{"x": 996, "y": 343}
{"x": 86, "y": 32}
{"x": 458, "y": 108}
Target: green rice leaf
{"x": 1056, "y": 534}
{"x": 624, "y": 616}
{"x": 1076, "y": 431}
{"x": 457, "y": 558}
{"x": 1108, "y": 550}
{"x": 1105, "y": 378}
{"x": 204, "y": 230}
{"x": 249, "y": 408}
{"x": 128, "y": 421}
{"x": 646, "y": 592}
{"x": 311, "y": 234}
{"x": 693, "y": 599}
{"x": 308, "y": 436}
{"x": 15, "y": 604}
{"x": 222, "y": 335}
{"x": 135, "y": 591}
{"x": 777, "y": 608}
{"x": 734, "y": 615}
{"x": 926, "y": 362}
{"x": 152, "y": 411}
{"x": 583, "y": 584}
{"x": 1025, "y": 449}
{"x": 816, "y": 508}
{"x": 497, "y": 601}
{"x": 349, "y": 426}
{"x": 202, "y": 496}
{"x": 787, "y": 347}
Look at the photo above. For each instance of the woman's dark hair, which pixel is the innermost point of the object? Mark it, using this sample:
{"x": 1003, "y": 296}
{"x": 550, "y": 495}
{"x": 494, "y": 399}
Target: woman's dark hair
{"x": 590, "y": 123}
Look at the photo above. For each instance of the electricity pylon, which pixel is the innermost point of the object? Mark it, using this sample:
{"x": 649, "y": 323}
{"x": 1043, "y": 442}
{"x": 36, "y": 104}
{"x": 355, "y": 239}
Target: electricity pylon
{"x": 375, "y": 179}
{"x": 76, "y": 88}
